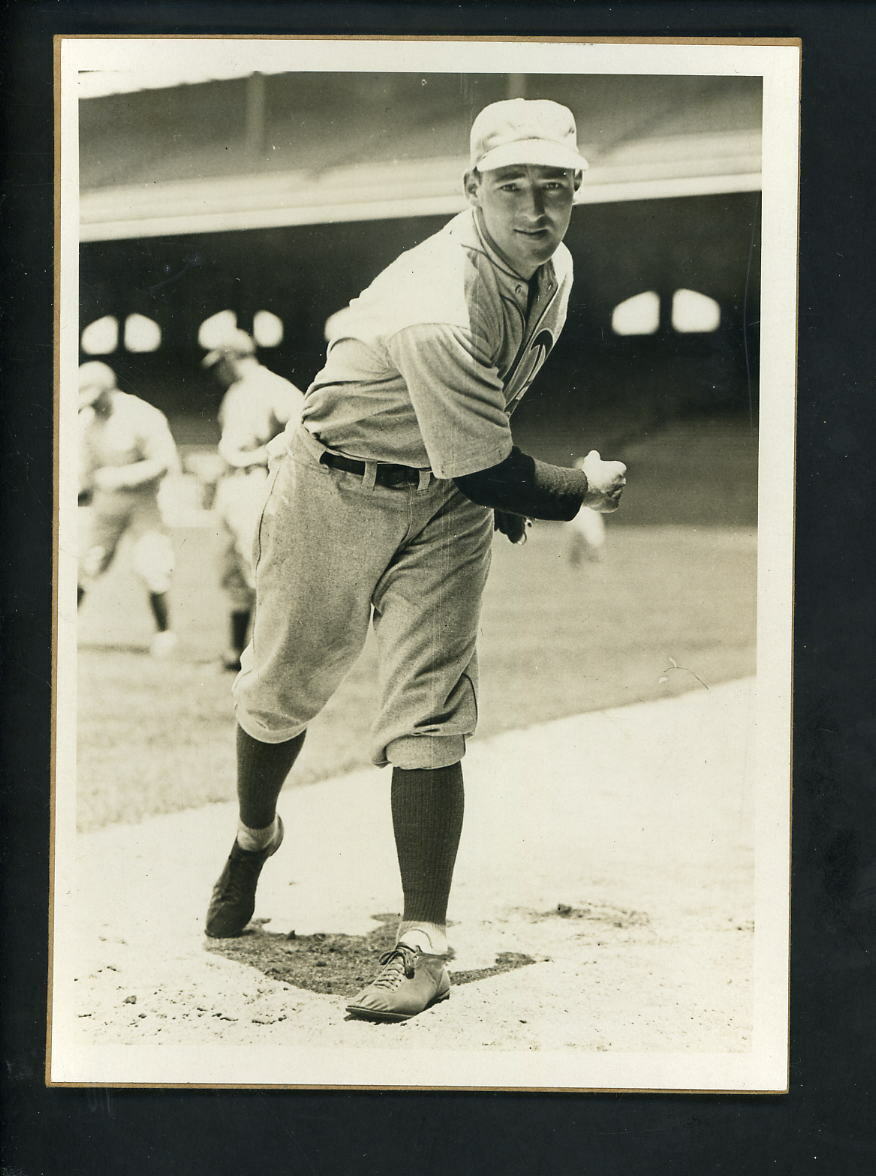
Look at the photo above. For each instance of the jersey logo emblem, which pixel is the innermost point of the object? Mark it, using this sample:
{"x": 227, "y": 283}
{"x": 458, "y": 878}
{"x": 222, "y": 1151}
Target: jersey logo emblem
{"x": 527, "y": 367}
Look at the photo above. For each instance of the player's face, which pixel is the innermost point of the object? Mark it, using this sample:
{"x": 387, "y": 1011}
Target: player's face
{"x": 95, "y": 397}
{"x": 524, "y": 211}
{"x": 225, "y": 371}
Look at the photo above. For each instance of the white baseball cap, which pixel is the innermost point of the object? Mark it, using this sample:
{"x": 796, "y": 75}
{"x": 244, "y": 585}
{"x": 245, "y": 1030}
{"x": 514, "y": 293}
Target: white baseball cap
{"x": 237, "y": 344}
{"x": 95, "y": 378}
{"x": 521, "y": 130}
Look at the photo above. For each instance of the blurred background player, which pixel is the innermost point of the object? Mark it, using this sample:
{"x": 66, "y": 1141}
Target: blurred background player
{"x": 257, "y": 406}
{"x": 586, "y": 532}
{"x": 126, "y": 449}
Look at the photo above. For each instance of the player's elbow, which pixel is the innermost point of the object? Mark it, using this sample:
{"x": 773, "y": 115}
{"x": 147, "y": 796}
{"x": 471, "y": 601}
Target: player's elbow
{"x": 475, "y": 487}
{"x": 497, "y": 484}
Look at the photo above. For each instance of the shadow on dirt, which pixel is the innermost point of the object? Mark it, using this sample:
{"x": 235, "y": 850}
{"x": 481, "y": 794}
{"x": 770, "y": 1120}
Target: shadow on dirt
{"x": 98, "y": 646}
{"x": 335, "y": 964}
{"x": 594, "y": 912}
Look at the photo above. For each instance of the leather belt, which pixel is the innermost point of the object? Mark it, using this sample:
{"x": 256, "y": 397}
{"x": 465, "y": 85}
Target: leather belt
{"x": 387, "y": 474}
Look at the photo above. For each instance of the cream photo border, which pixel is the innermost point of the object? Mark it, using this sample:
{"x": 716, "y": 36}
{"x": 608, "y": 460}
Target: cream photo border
{"x": 765, "y": 1067}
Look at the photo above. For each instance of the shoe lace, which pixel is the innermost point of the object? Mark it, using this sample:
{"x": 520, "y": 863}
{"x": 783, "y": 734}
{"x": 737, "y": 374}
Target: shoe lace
{"x": 398, "y": 965}
{"x": 238, "y": 880}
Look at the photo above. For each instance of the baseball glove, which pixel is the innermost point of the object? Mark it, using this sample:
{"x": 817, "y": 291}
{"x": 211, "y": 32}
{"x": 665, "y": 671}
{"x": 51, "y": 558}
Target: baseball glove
{"x": 512, "y": 525}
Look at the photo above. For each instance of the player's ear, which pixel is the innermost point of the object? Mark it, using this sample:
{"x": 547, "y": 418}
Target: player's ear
{"x": 576, "y": 180}
{"x": 471, "y": 183}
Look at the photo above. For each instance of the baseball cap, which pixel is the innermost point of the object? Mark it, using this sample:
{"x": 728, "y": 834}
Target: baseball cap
{"x": 521, "y": 130}
{"x": 95, "y": 377}
{"x": 238, "y": 343}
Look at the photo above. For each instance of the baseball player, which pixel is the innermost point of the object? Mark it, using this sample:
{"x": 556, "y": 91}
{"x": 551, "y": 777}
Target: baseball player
{"x": 256, "y": 407}
{"x": 126, "y": 449}
{"x": 586, "y": 533}
{"x": 383, "y": 509}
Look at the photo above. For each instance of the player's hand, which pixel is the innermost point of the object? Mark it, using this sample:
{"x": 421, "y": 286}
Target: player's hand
{"x": 513, "y": 526}
{"x": 275, "y": 450}
{"x": 606, "y": 481}
{"x": 109, "y": 478}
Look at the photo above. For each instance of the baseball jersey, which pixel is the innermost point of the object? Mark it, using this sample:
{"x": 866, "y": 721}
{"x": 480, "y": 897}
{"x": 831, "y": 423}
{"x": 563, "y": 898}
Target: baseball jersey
{"x": 133, "y": 432}
{"x": 426, "y": 366}
{"x": 255, "y": 409}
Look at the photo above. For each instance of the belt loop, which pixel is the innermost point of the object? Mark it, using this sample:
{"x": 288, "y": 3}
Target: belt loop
{"x": 370, "y": 475}
{"x": 424, "y": 478}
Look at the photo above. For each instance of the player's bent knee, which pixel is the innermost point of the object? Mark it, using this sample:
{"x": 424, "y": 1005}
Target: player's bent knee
{"x": 153, "y": 560}
{"x": 266, "y": 732}
{"x": 422, "y": 751}
{"x": 94, "y": 563}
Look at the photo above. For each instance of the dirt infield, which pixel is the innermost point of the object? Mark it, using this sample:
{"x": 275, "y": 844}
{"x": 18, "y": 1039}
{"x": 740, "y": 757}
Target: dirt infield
{"x": 603, "y": 908}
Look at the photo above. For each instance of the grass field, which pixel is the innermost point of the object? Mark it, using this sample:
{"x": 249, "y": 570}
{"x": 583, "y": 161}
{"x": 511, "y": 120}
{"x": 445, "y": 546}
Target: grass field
{"x": 671, "y": 609}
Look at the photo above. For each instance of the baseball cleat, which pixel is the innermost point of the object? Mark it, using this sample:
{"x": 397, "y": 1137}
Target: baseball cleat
{"x": 409, "y": 982}
{"x": 231, "y": 660}
{"x": 163, "y": 644}
{"x": 233, "y": 899}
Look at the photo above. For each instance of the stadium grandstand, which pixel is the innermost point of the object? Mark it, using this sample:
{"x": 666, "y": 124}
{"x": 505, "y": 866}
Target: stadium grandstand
{"x": 269, "y": 200}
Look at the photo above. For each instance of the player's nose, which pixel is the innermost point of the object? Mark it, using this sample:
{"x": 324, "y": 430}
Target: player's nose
{"x": 531, "y": 207}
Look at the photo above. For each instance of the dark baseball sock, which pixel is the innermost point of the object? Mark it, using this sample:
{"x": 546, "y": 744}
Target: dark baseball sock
{"x": 427, "y": 809}
{"x": 80, "y": 592}
{"x": 261, "y": 771}
{"x": 239, "y": 625}
{"x": 158, "y": 604}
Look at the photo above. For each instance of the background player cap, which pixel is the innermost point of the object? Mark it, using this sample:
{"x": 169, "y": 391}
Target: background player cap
{"x": 237, "y": 343}
{"x": 521, "y": 130}
{"x": 94, "y": 378}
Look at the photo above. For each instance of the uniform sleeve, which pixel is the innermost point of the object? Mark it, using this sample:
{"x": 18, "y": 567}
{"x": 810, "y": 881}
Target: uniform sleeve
{"x": 238, "y": 440}
{"x": 523, "y": 486}
{"x": 288, "y": 403}
{"x": 158, "y": 445}
{"x": 457, "y": 396}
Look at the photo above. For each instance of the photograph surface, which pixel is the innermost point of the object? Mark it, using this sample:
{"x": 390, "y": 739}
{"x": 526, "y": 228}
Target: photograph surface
{"x": 434, "y": 400}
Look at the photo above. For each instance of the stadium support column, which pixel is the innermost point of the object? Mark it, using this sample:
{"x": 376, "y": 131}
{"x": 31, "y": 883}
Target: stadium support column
{"x": 255, "y": 117}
